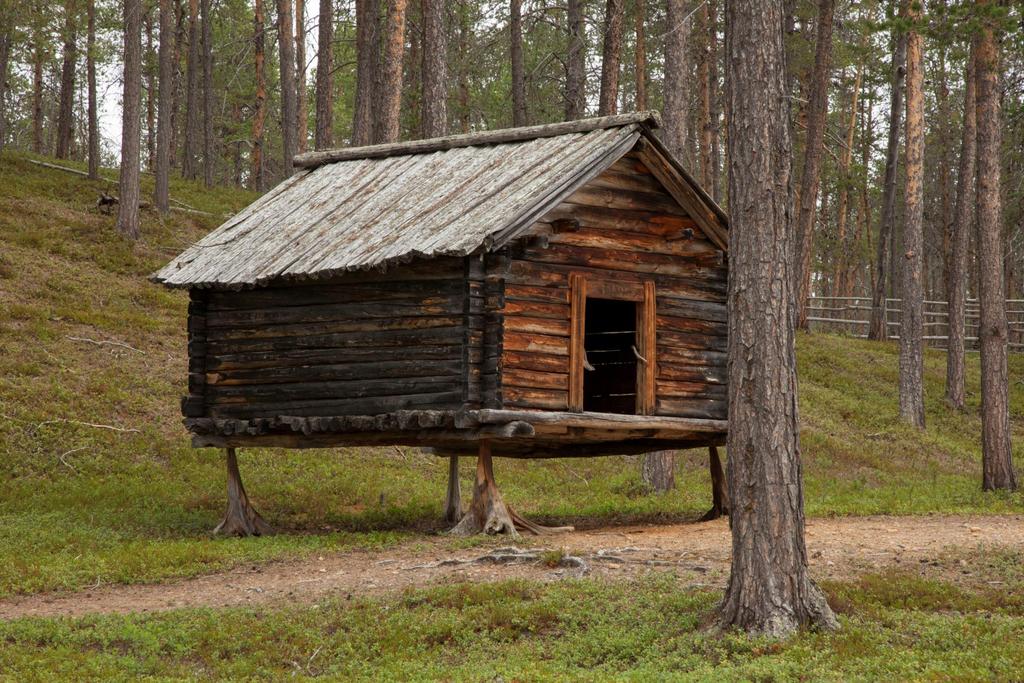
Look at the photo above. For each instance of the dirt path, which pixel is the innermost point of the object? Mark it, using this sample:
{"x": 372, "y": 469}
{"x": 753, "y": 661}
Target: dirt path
{"x": 698, "y": 553}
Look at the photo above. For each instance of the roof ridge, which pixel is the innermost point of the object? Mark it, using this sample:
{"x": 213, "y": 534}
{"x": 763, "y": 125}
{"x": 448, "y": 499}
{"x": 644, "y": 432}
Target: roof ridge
{"x": 647, "y": 119}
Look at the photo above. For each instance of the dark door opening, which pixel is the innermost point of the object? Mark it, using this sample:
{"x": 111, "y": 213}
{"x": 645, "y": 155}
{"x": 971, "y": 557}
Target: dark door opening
{"x": 609, "y": 374}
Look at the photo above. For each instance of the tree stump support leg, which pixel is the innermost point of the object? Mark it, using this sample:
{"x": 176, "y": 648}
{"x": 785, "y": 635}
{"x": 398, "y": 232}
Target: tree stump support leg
{"x": 719, "y": 490}
{"x": 453, "y": 499}
{"x": 241, "y": 518}
{"x": 488, "y": 512}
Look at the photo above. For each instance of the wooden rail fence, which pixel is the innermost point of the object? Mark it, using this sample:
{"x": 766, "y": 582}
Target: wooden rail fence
{"x": 852, "y": 314}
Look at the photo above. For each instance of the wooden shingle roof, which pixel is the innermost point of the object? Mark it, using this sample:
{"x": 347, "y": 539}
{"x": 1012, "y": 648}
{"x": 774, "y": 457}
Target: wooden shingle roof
{"x": 371, "y": 207}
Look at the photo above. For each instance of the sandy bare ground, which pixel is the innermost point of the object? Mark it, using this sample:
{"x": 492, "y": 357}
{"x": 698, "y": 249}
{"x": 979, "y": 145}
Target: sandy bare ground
{"x": 698, "y": 553}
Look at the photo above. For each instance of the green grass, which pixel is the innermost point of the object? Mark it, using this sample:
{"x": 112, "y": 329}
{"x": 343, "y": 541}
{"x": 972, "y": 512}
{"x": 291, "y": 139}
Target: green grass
{"x": 896, "y": 626}
{"x": 81, "y": 505}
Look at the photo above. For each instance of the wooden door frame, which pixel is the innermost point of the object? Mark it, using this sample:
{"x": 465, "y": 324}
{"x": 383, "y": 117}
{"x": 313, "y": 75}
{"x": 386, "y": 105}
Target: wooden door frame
{"x": 583, "y": 285}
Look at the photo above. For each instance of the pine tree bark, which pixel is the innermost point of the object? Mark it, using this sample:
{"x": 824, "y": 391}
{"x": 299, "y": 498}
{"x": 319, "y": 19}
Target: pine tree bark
{"x": 515, "y": 26}
{"x": 463, "y": 77}
{"x": 37, "y": 94}
{"x": 575, "y": 64}
{"x": 161, "y": 193}
{"x": 128, "y": 189}
{"x": 770, "y": 591}
{"x": 963, "y": 223}
{"x": 997, "y": 465}
{"x": 193, "y": 105}
{"x": 209, "y": 149}
{"x": 912, "y": 259}
{"x": 843, "y": 274}
{"x": 367, "y": 68}
{"x": 640, "y": 58}
{"x": 435, "y": 70}
{"x": 6, "y": 29}
{"x": 704, "y": 80}
{"x": 810, "y": 180}
{"x": 658, "y": 471}
{"x": 716, "y": 156}
{"x": 65, "y": 111}
{"x": 286, "y": 49}
{"x": 391, "y": 73}
{"x": 676, "y": 109}
{"x": 301, "y": 90}
{"x": 878, "y": 328}
{"x": 324, "y": 137}
{"x": 93, "y": 106}
{"x": 149, "y": 67}
{"x": 260, "y": 108}
{"x": 611, "y": 58}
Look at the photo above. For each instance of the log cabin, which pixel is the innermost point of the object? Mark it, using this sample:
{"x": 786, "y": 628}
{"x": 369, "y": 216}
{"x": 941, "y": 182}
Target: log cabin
{"x": 549, "y": 291}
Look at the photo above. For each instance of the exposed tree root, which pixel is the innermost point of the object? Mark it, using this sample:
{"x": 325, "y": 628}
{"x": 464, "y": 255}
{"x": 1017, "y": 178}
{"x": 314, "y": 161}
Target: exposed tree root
{"x": 719, "y": 490}
{"x": 241, "y": 518}
{"x": 488, "y": 512}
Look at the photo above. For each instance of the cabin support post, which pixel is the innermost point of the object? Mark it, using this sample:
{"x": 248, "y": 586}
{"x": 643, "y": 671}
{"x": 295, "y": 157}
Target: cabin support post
{"x": 719, "y": 490}
{"x": 488, "y": 512}
{"x": 241, "y": 518}
{"x": 453, "y": 499}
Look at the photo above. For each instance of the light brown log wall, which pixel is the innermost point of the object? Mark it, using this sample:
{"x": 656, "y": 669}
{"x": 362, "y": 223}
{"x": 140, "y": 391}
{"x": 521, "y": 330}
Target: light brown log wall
{"x": 630, "y": 230}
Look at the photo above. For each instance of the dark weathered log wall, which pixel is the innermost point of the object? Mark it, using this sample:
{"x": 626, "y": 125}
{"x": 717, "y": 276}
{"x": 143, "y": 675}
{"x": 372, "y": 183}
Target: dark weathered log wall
{"x": 360, "y": 344}
{"x": 629, "y": 230}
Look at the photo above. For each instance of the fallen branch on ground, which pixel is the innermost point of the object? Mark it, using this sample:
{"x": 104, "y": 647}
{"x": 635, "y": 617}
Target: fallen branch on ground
{"x": 104, "y": 342}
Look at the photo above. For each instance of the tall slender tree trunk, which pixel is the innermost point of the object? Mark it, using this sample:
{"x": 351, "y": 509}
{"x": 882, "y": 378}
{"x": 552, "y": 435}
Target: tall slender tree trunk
{"x": 367, "y": 67}
{"x": 161, "y": 194}
{"x": 676, "y": 97}
{"x": 963, "y": 223}
{"x": 810, "y": 181}
{"x": 464, "y": 30}
{"x": 286, "y": 48}
{"x": 128, "y": 207}
{"x": 844, "y": 281}
{"x": 391, "y": 81}
{"x": 658, "y": 471}
{"x": 37, "y": 94}
{"x": 515, "y": 27}
{"x": 770, "y": 590}
{"x": 65, "y": 112}
{"x": 612, "y": 57}
{"x": 716, "y": 156}
{"x": 435, "y": 69}
{"x": 180, "y": 41}
{"x": 912, "y": 258}
{"x": 209, "y": 153}
{"x": 149, "y": 67}
{"x": 260, "y": 114}
{"x": 193, "y": 71}
{"x": 6, "y": 31}
{"x": 575, "y": 63}
{"x": 324, "y": 77}
{"x": 878, "y": 328}
{"x": 301, "y": 95}
{"x": 704, "y": 79}
{"x": 640, "y": 58}
{"x": 90, "y": 69}
{"x": 997, "y": 465}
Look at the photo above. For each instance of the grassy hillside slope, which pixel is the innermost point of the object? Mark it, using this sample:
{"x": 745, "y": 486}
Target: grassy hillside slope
{"x": 98, "y": 482}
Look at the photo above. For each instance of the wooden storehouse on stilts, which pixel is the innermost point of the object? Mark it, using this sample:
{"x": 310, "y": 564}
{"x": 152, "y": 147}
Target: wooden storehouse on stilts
{"x": 552, "y": 291}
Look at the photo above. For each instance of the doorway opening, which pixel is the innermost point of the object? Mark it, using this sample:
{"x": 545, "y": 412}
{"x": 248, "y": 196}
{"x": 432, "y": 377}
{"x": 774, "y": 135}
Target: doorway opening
{"x": 610, "y": 357}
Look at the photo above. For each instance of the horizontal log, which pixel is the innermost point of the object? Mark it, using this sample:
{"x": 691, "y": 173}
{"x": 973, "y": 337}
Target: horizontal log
{"x": 668, "y": 304}
{"x": 687, "y": 340}
{"x": 357, "y": 406}
{"x": 684, "y": 389}
{"x": 347, "y": 340}
{"x": 626, "y": 220}
{"x": 342, "y": 389}
{"x": 367, "y": 325}
{"x": 557, "y": 328}
{"x": 691, "y": 325}
{"x": 335, "y": 372}
{"x": 517, "y": 377}
{"x": 536, "y": 309}
{"x": 535, "y": 398}
{"x": 432, "y": 305}
{"x": 590, "y": 195}
{"x": 547, "y": 295}
{"x": 597, "y": 420}
{"x": 695, "y": 356}
{"x": 536, "y": 343}
{"x": 334, "y": 356}
{"x": 691, "y": 373}
{"x": 540, "y": 362}
{"x": 692, "y": 407}
{"x": 524, "y": 271}
{"x": 698, "y": 250}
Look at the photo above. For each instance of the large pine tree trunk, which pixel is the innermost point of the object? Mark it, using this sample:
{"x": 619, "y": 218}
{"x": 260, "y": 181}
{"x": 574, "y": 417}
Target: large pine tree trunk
{"x": 324, "y": 137}
{"x": 209, "y": 154}
{"x": 65, "y": 111}
{"x": 912, "y": 259}
{"x": 676, "y": 109}
{"x": 997, "y": 465}
{"x": 878, "y": 324}
{"x": 435, "y": 69}
{"x": 612, "y": 57}
{"x": 515, "y": 27}
{"x": 391, "y": 73}
{"x": 704, "y": 81}
{"x": 286, "y": 48}
{"x": 770, "y": 590}
{"x": 260, "y": 109}
{"x": 128, "y": 207}
{"x": 367, "y": 68}
{"x": 149, "y": 63}
{"x": 658, "y": 471}
{"x": 302, "y": 105}
{"x": 193, "y": 118}
{"x": 963, "y": 223}
{"x": 575, "y": 63}
{"x": 90, "y": 69}
{"x": 810, "y": 181}
{"x": 843, "y": 276}
{"x": 640, "y": 58}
